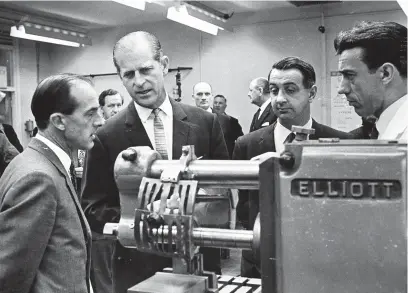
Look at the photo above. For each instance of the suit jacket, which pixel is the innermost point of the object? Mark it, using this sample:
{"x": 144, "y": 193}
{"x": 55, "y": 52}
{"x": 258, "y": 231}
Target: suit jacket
{"x": 12, "y": 137}
{"x": 231, "y": 130}
{"x": 267, "y": 117}
{"x": 45, "y": 238}
{"x": 7, "y": 152}
{"x": 191, "y": 126}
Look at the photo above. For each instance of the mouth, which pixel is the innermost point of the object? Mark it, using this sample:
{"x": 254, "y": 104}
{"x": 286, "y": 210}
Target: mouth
{"x": 283, "y": 110}
{"x": 142, "y": 92}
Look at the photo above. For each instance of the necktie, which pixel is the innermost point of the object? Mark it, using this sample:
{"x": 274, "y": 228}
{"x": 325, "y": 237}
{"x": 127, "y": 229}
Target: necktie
{"x": 159, "y": 135}
{"x": 73, "y": 176}
{"x": 374, "y": 133}
{"x": 290, "y": 138}
{"x": 254, "y": 119}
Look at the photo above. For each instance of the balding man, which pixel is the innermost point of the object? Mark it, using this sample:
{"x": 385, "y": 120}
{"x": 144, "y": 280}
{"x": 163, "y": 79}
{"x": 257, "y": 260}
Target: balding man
{"x": 202, "y": 96}
{"x": 151, "y": 119}
{"x": 259, "y": 95}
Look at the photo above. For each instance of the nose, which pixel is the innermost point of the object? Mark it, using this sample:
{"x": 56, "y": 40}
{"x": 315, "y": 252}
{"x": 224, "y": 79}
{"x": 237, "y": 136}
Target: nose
{"x": 115, "y": 109}
{"x": 280, "y": 98}
{"x": 138, "y": 79}
{"x": 99, "y": 121}
{"x": 343, "y": 86}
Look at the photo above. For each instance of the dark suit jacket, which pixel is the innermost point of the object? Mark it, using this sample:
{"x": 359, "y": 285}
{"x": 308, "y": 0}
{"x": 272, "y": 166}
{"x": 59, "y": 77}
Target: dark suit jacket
{"x": 7, "y": 152}
{"x": 12, "y": 137}
{"x": 267, "y": 117}
{"x": 231, "y": 130}
{"x": 191, "y": 126}
{"x": 45, "y": 238}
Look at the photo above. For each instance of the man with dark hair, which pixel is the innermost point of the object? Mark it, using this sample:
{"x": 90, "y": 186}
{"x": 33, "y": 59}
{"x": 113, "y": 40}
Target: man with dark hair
{"x": 45, "y": 237}
{"x": 373, "y": 65}
{"x": 151, "y": 119}
{"x": 235, "y": 129}
{"x": 292, "y": 88}
{"x": 111, "y": 102}
{"x": 259, "y": 95}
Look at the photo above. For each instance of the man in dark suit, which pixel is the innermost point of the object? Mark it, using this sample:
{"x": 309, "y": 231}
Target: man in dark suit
{"x": 234, "y": 128}
{"x": 151, "y": 119}
{"x": 7, "y": 152}
{"x": 45, "y": 238}
{"x": 292, "y": 87}
{"x": 259, "y": 95}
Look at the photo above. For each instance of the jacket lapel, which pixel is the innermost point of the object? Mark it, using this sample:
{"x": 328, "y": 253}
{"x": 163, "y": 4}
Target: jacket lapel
{"x": 267, "y": 140}
{"x": 134, "y": 129}
{"x": 318, "y": 130}
{"x": 263, "y": 116}
{"x": 181, "y": 129}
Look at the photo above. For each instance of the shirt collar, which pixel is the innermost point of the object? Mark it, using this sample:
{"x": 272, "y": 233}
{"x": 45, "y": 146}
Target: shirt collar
{"x": 144, "y": 113}
{"x": 209, "y": 109}
{"x": 389, "y": 113}
{"x": 265, "y": 104}
{"x": 61, "y": 154}
{"x": 282, "y": 129}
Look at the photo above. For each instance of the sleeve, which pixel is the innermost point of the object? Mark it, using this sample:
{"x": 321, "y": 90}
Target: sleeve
{"x": 27, "y": 217}
{"x": 243, "y": 195}
{"x": 218, "y": 146}
{"x": 100, "y": 196}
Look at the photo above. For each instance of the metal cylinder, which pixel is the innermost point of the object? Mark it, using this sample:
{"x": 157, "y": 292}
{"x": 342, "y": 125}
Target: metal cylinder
{"x": 216, "y": 173}
{"x": 212, "y": 237}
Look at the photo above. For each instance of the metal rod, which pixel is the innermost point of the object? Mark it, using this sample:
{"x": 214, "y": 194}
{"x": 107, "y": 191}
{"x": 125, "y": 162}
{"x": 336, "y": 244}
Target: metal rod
{"x": 232, "y": 174}
{"x": 212, "y": 237}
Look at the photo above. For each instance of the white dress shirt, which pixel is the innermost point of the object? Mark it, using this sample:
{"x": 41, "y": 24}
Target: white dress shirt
{"x": 281, "y": 133}
{"x": 393, "y": 122}
{"x": 263, "y": 107}
{"x": 166, "y": 116}
{"x": 62, "y": 155}
{"x": 209, "y": 110}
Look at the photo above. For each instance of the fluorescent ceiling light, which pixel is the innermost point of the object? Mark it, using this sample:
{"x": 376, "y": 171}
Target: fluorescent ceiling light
{"x": 180, "y": 15}
{"x": 21, "y": 33}
{"x": 138, "y": 4}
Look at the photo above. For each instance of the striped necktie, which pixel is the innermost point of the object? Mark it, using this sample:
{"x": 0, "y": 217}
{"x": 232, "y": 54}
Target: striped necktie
{"x": 72, "y": 174}
{"x": 159, "y": 135}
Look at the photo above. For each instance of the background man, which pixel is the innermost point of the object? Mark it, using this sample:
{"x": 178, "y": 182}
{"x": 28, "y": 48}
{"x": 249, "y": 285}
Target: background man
{"x": 373, "y": 64}
{"x": 202, "y": 95}
{"x": 110, "y": 102}
{"x": 151, "y": 119}
{"x": 292, "y": 87}
{"x": 259, "y": 95}
{"x": 7, "y": 152}
{"x": 234, "y": 128}
{"x": 45, "y": 238}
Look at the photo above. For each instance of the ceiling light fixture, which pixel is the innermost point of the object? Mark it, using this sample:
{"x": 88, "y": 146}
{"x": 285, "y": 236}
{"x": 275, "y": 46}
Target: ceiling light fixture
{"x": 180, "y": 14}
{"x": 138, "y": 4}
{"x": 41, "y": 33}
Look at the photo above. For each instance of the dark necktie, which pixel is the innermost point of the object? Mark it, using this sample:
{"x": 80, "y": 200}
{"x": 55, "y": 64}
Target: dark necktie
{"x": 254, "y": 120}
{"x": 73, "y": 177}
{"x": 290, "y": 138}
{"x": 374, "y": 133}
{"x": 159, "y": 135}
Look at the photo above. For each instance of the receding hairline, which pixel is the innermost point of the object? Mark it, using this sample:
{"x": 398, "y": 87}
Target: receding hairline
{"x": 202, "y": 82}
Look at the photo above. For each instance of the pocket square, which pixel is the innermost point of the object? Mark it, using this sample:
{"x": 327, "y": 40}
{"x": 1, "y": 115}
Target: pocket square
{"x": 265, "y": 124}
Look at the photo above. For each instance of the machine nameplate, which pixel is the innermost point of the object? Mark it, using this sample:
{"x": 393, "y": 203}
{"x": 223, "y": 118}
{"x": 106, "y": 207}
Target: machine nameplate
{"x": 353, "y": 189}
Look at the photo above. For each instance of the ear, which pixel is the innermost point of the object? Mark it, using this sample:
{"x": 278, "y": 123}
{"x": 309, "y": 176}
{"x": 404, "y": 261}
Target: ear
{"x": 58, "y": 120}
{"x": 164, "y": 62}
{"x": 312, "y": 94}
{"x": 387, "y": 72}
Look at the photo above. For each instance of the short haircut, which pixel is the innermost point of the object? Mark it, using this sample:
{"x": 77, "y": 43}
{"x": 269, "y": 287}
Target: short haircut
{"x": 262, "y": 82}
{"x": 201, "y": 82}
{"x": 108, "y": 92}
{"x": 222, "y": 97}
{"x": 307, "y": 70}
{"x": 381, "y": 41}
{"x": 131, "y": 39}
{"x": 52, "y": 95}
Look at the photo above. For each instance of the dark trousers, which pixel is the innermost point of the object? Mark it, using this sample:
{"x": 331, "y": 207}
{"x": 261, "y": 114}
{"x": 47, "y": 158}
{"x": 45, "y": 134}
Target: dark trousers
{"x": 131, "y": 266}
{"x": 101, "y": 265}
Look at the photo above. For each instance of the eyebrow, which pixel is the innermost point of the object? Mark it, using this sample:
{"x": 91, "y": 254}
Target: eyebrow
{"x": 93, "y": 109}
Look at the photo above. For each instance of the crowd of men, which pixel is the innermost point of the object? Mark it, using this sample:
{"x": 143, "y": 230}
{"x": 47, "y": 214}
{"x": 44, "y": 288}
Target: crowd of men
{"x": 47, "y": 226}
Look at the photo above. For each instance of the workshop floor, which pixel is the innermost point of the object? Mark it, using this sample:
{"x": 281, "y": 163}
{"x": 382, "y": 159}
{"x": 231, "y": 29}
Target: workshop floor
{"x": 231, "y": 266}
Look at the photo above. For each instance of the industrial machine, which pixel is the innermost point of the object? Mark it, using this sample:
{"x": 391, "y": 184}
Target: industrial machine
{"x": 333, "y": 217}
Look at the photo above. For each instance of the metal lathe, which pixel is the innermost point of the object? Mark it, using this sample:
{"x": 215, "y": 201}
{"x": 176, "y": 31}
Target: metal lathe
{"x": 333, "y": 217}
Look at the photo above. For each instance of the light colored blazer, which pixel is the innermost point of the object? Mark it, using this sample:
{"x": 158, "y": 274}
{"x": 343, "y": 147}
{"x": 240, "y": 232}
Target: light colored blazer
{"x": 44, "y": 236}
